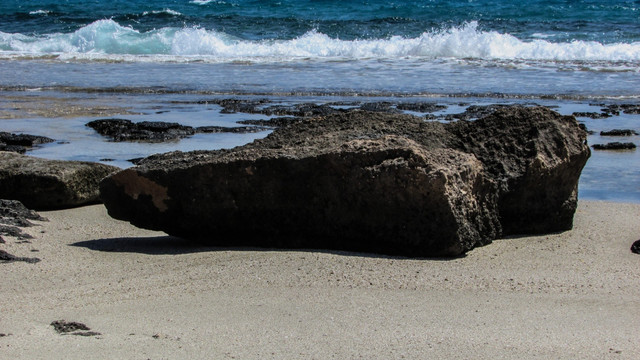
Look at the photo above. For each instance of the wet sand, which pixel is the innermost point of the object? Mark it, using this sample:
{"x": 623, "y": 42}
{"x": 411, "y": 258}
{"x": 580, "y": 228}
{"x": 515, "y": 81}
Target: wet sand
{"x": 21, "y": 106}
{"x": 573, "y": 295}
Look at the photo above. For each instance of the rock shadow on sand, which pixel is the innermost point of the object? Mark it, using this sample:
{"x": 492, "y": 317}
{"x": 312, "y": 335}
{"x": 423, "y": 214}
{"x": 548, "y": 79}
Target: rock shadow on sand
{"x": 155, "y": 245}
{"x": 172, "y": 245}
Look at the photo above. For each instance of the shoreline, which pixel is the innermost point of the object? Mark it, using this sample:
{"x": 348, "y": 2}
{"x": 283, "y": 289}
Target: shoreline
{"x": 566, "y": 295}
{"x": 608, "y": 175}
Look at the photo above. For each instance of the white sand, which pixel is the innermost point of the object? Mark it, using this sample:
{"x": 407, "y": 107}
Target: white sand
{"x": 574, "y": 295}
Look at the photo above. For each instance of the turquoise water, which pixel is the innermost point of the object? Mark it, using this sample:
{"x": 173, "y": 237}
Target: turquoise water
{"x": 568, "y": 48}
{"x": 562, "y": 21}
{"x": 571, "y": 54}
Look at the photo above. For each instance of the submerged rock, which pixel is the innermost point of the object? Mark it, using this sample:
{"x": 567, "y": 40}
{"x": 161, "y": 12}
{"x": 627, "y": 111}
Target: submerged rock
{"x": 615, "y": 146}
{"x": 592, "y": 115}
{"x": 272, "y": 123}
{"x": 615, "y": 109}
{"x": 421, "y": 107}
{"x": 20, "y": 143}
{"x": 619, "y": 132}
{"x": 366, "y": 181}
{"x": 43, "y": 184}
{"x": 234, "y": 130}
{"x": 152, "y": 131}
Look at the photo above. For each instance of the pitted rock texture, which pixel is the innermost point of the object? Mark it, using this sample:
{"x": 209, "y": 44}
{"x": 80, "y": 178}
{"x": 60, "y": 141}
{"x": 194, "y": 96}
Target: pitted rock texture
{"x": 366, "y": 181}
{"x": 42, "y": 184}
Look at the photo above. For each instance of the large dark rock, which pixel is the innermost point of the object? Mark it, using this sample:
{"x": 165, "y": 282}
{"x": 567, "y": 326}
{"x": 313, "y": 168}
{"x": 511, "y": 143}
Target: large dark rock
{"x": 534, "y": 157}
{"x": 42, "y": 184}
{"x": 366, "y": 181}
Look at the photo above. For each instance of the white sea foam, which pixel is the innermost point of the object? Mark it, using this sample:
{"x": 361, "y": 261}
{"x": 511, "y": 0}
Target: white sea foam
{"x": 205, "y": 2}
{"x": 107, "y": 40}
{"x": 164, "y": 11}
{"x": 40, "y": 12}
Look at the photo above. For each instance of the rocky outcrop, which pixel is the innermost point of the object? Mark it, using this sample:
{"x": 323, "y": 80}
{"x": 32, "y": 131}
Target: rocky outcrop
{"x": 20, "y": 143}
{"x": 534, "y": 157}
{"x": 157, "y": 131}
{"x": 14, "y": 215}
{"x": 152, "y": 131}
{"x": 5, "y": 257}
{"x": 42, "y": 184}
{"x": 366, "y": 181}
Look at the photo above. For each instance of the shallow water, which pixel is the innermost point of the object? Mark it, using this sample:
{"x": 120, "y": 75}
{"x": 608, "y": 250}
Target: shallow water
{"x": 608, "y": 175}
{"x": 143, "y": 55}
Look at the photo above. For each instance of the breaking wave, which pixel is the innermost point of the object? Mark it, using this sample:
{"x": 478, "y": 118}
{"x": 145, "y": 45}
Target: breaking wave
{"x": 108, "y": 40}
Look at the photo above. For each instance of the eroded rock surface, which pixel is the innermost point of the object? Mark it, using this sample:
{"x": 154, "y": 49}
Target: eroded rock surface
{"x": 13, "y": 216}
{"x": 152, "y": 131}
{"x": 366, "y": 181}
{"x": 42, "y": 184}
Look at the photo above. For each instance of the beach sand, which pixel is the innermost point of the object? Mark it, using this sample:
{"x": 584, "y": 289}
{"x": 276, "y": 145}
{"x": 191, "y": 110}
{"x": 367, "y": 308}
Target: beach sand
{"x": 574, "y": 295}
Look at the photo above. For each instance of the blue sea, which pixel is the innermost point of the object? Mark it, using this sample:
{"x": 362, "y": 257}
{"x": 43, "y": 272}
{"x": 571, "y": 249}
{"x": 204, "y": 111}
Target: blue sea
{"x": 164, "y": 59}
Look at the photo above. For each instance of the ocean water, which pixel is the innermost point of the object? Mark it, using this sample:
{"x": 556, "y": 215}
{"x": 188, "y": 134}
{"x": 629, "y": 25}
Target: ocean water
{"x": 572, "y": 55}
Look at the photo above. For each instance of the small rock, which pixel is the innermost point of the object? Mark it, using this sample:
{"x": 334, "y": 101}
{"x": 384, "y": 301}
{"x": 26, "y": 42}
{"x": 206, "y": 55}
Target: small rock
{"x": 13, "y": 212}
{"x": 592, "y": 115}
{"x": 153, "y": 131}
{"x": 273, "y": 122}
{"x": 5, "y": 257}
{"x": 14, "y": 232}
{"x": 631, "y": 109}
{"x": 383, "y": 106}
{"x": 615, "y": 146}
{"x": 23, "y": 139}
{"x": 20, "y": 143}
{"x": 43, "y": 184}
{"x": 235, "y": 130}
{"x": 619, "y": 132}
{"x": 421, "y": 107}
{"x": 635, "y": 248}
{"x": 72, "y": 328}
{"x": 13, "y": 215}
{"x": 63, "y": 326}
{"x": 232, "y": 106}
